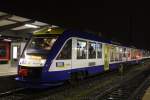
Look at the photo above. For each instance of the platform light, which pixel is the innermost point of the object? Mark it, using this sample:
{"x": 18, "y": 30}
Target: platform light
{"x": 15, "y": 52}
{"x": 54, "y": 26}
{"x": 8, "y": 40}
{"x": 31, "y": 26}
{"x": 121, "y": 50}
{"x": 49, "y": 29}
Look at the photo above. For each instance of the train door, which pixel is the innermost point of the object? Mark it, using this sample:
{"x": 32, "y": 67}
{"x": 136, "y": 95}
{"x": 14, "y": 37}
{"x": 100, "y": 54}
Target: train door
{"x": 106, "y": 56}
{"x": 80, "y": 54}
{"x": 86, "y": 54}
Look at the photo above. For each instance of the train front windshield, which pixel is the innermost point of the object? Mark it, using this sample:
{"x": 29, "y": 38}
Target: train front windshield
{"x": 37, "y": 51}
{"x": 42, "y": 43}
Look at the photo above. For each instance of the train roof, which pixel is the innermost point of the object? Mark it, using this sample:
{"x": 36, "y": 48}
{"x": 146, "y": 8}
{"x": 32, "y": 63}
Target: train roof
{"x": 46, "y": 31}
{"x": 49, "y": 31}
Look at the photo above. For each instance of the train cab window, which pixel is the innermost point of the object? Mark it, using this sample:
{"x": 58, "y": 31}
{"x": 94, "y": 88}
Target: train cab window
{"x": 66, "y": 51}
{"x": 44, "y": 43}
{"x": 48, "y": 43}
{"x": 81, "y": 49}
{"x": 99, "y": 50}
{"x": 92, "y": 50}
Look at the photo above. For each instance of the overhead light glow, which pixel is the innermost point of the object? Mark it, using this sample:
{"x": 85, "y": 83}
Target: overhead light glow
{"x": 49, "y": 29}
{"x": 54, "y": 26}
{"x": 8, "y": 40}
{"x": 31, "y": 26}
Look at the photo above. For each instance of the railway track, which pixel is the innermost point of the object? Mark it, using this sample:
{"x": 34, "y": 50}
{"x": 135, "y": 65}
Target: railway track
{"x": 119, "y": 90}
{"x": 14, "y": 94}
{"x": 127, "y": 89}
{"x": 7, "y": 93}
{"x": 34, "y": 94}
{"x": 30, "y": 93}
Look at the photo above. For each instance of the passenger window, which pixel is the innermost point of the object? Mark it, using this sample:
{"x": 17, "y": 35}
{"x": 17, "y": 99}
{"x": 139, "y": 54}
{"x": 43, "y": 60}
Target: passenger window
{"x": 120, "y": 54}
{"x": 132, "y": 53}
{"x": 112, "y": 54}
{"x": 117, "y": 54}
{"x": 81, "y": 49}
{"x": 66, "y": 52}
{"x": 92, "y": 50}
{"x": 99, "y": 50}
{"x": 124, "y": 52}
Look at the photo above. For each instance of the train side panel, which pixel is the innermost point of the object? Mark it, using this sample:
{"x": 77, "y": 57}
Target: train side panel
{"x": 82, "y": 60}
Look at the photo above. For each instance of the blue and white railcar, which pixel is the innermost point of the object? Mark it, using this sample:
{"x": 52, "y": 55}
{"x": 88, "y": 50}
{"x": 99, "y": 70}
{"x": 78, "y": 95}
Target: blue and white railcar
{"x": 52, "y": 57}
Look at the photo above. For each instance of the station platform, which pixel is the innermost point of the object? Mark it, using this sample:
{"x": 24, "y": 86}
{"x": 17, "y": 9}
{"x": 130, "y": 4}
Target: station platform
{"x": 147, "y": 95}
{"x": 6, "y": 70}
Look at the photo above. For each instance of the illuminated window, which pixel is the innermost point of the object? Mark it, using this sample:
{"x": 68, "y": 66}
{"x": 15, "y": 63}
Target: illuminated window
{"x": 81, "y": 49}
{"x": 66, "y": 51}
{"x": 112, "y": 54}
{"x": 99, "y": 50}
{"x": 92, "y": 50}
{"x": 120, "y": 53}
{"x": 117, "y": 54}
{"x": 124, "y": 52}
{"x": 45, "y": 43}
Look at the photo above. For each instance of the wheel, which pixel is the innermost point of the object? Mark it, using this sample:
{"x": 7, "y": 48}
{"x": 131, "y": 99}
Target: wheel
{"x": 75, "y": 77}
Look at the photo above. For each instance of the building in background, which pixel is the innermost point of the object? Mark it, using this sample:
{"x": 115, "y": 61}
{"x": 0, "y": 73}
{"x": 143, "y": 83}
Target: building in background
{"x": 10, "y": 52}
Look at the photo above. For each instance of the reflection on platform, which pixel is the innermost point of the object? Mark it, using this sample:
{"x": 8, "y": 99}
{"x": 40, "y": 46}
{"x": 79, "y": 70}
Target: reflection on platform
{"x": 147, "y": 94}
{"x": 6, "y": 70}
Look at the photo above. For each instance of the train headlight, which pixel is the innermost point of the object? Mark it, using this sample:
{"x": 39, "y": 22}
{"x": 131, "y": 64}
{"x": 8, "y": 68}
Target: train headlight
{"x": 22, "y": 61}
{"x": 33, "y": 57}
{"x": 43, "y": 62}
{"x": 32, "y": 62}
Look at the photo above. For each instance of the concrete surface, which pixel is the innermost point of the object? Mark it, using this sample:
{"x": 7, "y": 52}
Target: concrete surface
{"x": 6, "y": 69}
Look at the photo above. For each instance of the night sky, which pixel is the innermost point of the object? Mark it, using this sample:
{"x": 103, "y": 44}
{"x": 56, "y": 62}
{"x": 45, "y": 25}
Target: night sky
{"x": 125, "y": 22}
